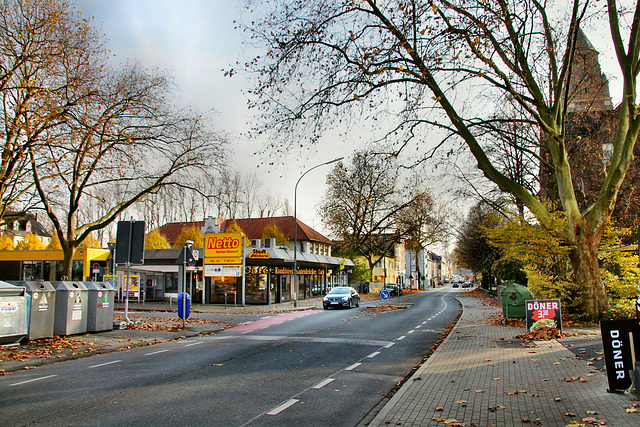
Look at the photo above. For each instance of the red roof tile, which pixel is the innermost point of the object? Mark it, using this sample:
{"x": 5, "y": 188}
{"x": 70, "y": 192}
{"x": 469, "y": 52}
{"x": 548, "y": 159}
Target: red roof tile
{"x": 172, "y": 230}
{"x": 252, "y": 227}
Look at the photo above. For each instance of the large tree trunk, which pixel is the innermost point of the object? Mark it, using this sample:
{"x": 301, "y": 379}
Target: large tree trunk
{"x": 587, "y": 277}
{"x": 67, "y": 265}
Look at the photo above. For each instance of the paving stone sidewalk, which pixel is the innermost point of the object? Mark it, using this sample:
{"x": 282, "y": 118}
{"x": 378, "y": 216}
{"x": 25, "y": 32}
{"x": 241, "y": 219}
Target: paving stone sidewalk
{"x": 481, "y": 376}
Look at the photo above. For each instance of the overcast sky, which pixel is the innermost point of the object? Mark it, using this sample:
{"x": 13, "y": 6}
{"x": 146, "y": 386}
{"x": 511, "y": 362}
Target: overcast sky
{"x": 194, "y": 40}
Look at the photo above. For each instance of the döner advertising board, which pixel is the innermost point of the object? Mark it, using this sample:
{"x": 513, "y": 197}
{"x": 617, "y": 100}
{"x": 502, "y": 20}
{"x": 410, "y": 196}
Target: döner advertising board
{"x": 620, "y": 339}
{"x": 545, "y": 312}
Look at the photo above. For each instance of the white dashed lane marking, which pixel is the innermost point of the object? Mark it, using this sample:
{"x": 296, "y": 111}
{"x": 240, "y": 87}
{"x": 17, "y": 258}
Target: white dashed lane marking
{"x": 285, "y": 405}
{"x": 30, "y": 381}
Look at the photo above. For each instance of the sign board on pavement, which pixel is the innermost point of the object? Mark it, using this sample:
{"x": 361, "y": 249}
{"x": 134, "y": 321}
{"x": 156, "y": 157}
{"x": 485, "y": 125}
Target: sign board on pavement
{"x": 620, "y": 339}
{"x": 545, "y": 312}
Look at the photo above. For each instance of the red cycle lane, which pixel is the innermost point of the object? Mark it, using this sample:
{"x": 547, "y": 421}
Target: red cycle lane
{"x": 274, "y": 320}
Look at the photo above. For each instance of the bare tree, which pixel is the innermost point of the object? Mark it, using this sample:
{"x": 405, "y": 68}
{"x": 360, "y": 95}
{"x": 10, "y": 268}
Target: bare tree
{"x": 328, "y": 62}
{"x": 38, "y": 41}
{"x": 122, "y": 134}
{"x": 368, "y": 206}
{"x": 252, "y": 187}
{"x": 268, "y": 204}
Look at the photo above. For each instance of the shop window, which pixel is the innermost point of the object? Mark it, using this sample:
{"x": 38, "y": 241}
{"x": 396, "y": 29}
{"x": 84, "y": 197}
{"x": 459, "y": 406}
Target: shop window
{"x": 171, "y": 282}
{"x": 32, "y": 270}
{"x": 256, "y": 288}
{"x": 77, "y": 270}
{"x": 52, "y": 270}
{"x": 220, "y": 285}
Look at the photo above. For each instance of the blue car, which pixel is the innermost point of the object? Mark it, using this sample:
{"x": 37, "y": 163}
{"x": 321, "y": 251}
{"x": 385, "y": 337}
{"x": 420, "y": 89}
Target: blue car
{"x": 341, "y": 296}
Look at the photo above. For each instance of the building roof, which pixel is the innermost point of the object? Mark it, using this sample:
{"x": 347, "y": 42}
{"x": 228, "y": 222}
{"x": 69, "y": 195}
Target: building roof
{"x": 35, "y": 226}
{"x": 252, "y": 227}
{"x": 172, "y": 230}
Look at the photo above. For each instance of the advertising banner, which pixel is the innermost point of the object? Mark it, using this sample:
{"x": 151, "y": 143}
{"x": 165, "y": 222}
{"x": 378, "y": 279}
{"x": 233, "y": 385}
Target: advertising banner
{"x": 223, "y": 270}
{"x": 620, "y": 340}
{"x": 544, "y": 312}
{"x": 223, "y": 245}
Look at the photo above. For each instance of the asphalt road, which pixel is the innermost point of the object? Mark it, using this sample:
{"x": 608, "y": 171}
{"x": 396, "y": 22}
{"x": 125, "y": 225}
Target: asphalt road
{"x": 301, "y": 368}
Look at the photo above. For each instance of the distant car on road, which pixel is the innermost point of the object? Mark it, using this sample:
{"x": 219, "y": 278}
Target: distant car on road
{"x": 455, "y": 285}
{"x": 467, "y": 284}
{"x": 341, "y": 296}
{"x": 393, "y": 289}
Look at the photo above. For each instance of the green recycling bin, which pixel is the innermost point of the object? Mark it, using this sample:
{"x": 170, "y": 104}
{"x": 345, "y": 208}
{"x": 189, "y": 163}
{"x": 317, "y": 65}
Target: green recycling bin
{"x": 513, "y": 301}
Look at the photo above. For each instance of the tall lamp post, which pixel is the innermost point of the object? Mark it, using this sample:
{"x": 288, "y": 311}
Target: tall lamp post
{"x": 295, "y": 228}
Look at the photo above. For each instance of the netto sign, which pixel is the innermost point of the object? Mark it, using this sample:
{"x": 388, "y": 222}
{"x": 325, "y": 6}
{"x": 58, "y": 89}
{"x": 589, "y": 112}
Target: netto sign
{"x": 223, "y": 245}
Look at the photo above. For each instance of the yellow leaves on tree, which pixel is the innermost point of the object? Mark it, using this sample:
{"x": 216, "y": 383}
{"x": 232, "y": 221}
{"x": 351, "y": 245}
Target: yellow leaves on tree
{"x": 90, "y": 243}
{"x": 233, "y": 227}
{"x": 6, "y": 244}
{"x": 30, "y": 242}
{"x": 272, "y": 231}
{"x": 155, "y": 240}
{"x": 54, "y": 243}
{"x": 194, "y": 234}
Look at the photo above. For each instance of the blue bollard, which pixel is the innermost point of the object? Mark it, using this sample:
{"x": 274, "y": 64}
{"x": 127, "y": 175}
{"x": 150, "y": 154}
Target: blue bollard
{"x": 184, "y": 307}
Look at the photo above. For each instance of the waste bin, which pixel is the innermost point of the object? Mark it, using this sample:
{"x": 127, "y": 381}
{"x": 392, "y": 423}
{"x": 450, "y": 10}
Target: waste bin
{"x": 100, "y": 306}
{"x": 184, "y": 305}
{"x": 42, "y": 308}
{"x": 513, "y": 301}
{"x": 71, "y": 308}
{"x": 14, "y": 313}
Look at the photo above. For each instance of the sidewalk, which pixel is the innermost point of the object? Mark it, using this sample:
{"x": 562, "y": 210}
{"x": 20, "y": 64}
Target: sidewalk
{"x": 481, "y": 376}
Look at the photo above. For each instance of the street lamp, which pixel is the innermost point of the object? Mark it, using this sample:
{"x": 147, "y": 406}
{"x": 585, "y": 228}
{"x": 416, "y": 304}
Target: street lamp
{"x": 295, "y": 228}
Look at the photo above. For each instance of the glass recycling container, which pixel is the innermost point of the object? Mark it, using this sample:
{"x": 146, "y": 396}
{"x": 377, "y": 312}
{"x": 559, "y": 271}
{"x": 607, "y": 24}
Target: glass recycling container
{"x": 100, "y": 306}
{"x": 42, "y": 308}
{"x": 14, "y": 313}
{"x": 71, "y": 308}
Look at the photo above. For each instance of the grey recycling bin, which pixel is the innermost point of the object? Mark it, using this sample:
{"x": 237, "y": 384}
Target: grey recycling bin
{"x": 100, "y": 307}
{"x": 71, "y": 308}
{"x": 42, "y": 309}
{"x": 14, "y": 313}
